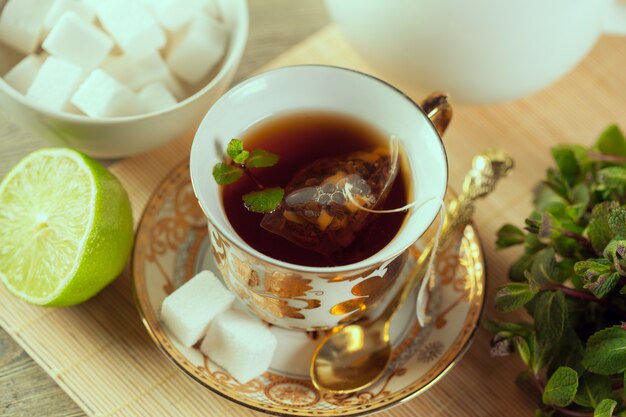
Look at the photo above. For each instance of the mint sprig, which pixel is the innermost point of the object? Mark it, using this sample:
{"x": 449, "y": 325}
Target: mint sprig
{"x": 241, "y": 160}
{"x": 571, "y": 280}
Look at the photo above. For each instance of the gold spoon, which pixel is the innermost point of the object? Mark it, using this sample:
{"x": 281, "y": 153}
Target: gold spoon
{"x": 353, "y": 357}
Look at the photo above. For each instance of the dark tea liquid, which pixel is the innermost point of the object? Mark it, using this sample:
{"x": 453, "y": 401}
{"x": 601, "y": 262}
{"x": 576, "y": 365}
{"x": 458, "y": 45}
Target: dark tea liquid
{"x": 301, "y": 138}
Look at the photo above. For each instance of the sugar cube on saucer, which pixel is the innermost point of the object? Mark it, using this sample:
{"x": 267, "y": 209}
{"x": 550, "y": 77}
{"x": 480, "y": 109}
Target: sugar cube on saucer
{"x": 241, "y": 344}
{"x": 196, "y": 50}
{"x": 132, "y": 26}
{"x": 21, "y": 23}
{"x": 157, "y": 97}
{"x": 103, "y": 96}
{"x": 54, "y": 84}
{"x": 21, "y": 76}
{"x": 79, "y": 42}
{"x": 188, "y": 311}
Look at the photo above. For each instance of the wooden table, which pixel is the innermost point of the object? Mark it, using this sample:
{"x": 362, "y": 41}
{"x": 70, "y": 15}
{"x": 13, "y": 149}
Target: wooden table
{"x": 575, "y": 109}
{"x": 25, "y": 389}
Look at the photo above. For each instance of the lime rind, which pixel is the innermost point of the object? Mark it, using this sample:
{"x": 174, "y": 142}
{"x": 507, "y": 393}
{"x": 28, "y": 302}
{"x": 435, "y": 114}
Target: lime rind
{"x": 90, "y": 244}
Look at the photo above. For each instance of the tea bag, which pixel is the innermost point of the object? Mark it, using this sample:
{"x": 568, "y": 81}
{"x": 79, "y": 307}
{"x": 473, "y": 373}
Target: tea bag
{"x": 322, "y": 209}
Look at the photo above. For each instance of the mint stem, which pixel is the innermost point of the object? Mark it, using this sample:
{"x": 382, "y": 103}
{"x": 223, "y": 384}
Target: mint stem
{"x": 249, "y": 174}
{"x": 253, "y": 178}
{"x": 606, "y": 158}
{"x": 583, "y": 295}
{"x": 580, "y": 239}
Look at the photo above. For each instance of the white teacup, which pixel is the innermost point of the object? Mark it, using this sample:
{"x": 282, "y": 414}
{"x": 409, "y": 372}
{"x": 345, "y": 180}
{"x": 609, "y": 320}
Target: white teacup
{"x": 303, "y": 297}
{"x": 479, "y": 51}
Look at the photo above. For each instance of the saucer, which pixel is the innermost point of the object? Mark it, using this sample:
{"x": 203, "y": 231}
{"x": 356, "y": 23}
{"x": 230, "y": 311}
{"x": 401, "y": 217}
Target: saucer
{"x": 172, "y": 246}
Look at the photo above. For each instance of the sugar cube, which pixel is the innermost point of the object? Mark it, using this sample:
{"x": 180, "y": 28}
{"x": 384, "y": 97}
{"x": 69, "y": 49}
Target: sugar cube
{"x": 132, "y": 26}
{"x": 21, "y": 23}
{"x": 21, "y": 76}
{"x": 197, "y": 49}
{"x": 151, "y": 68}
{"x": 210, "y": 7}
{"x": 176, "y": 87}
{"x": 123, "y": 69}
{"x": 82, "y": 9}
{"x": 156, "y": 97}
{"x": 136, "y": 73}
{"x": 241, "y": 344}
{"x": 103, "y": 96}
{"x": 189, "y": 310}
{"x": 78, "y": 42}
{"x": 174, "y": 14}
{"x": 55, "y": 83}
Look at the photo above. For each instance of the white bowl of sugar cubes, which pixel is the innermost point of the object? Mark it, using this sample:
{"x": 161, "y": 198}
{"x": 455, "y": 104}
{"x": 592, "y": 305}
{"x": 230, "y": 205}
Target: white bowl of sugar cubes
{"x": 113, "y": 78}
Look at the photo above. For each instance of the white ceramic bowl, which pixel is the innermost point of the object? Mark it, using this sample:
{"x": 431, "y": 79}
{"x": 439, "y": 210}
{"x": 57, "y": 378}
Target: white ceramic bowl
{"x": 125, "y": 136}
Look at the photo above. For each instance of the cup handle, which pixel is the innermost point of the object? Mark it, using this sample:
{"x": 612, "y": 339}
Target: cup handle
{"x": 438, "y": 110}
{"x": 615, "y": 21}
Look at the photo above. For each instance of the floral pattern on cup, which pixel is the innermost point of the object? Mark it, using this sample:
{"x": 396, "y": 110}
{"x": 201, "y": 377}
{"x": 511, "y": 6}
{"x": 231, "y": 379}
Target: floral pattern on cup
{"x": 287, "y": 298}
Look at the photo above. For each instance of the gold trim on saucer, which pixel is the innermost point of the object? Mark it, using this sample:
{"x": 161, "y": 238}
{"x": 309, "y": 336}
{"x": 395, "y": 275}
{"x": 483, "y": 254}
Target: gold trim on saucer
{"x": 172, "y": 215}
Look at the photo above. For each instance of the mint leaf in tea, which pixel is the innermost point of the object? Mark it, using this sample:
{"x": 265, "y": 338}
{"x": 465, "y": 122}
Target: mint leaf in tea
{"x": 295, "y": 170}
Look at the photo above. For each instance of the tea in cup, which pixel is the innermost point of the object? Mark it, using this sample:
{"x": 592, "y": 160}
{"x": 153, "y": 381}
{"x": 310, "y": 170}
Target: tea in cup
{"x": 319, "y": 258}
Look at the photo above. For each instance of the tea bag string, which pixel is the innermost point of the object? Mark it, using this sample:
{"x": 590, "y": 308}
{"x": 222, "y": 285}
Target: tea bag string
{"x": 421, "y": 300}
{"x": 394, "y": 153}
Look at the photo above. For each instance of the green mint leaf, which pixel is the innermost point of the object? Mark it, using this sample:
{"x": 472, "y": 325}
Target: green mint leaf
{"x": 509, "y": 235}
{"x": 617, "y": 221}
{"x": 599, "y": 230}
{"x": 519, "y": 267}
{"x": 241, "y": 158}
{"x": 593, "y": 388}
{"x": 544, "y": 196}
{"x": 513, "y": 296}
{"x": 558, "y": 184}
{"x": 550, "y": 315}
{"x": 566, "y": 162}
{"x": 523, "y": 350}
{"x": 603, "y": 284}
{"x": 623, "y": 290}
{"x": 540, "y": 353}
{"x": 606, "y": 351}
{"x": 615, "y": 252}
{"x": 542, "y": 413}
{"x": 569, "y": 353}
{"x": 605, "y": 408}
{"x": 234, "y": 148}
{"x": 493, "y": 326}
{"x": 613, "y": 179}
{"x": 225, "y": 174}
{"x": 611, "y": 142}
{"x": 565, "y": 269}
{"x": 581, "y": 195}
{"x": 260, "y": 158}
{"x": 264, "y": 201}
{"x": 561, "y": 387}
{"x": 544, "y": 268}
{"x": 599, "y": 266}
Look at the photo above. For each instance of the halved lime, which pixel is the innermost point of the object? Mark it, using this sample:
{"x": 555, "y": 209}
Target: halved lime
{"x": 66, "y": 228}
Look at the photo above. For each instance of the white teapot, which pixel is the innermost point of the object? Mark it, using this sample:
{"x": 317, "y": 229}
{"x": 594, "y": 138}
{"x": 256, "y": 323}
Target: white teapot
{"x": 479, "y": 51}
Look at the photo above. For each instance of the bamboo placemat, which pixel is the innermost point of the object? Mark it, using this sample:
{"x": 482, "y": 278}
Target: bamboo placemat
{"x": 100, "y": 354}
